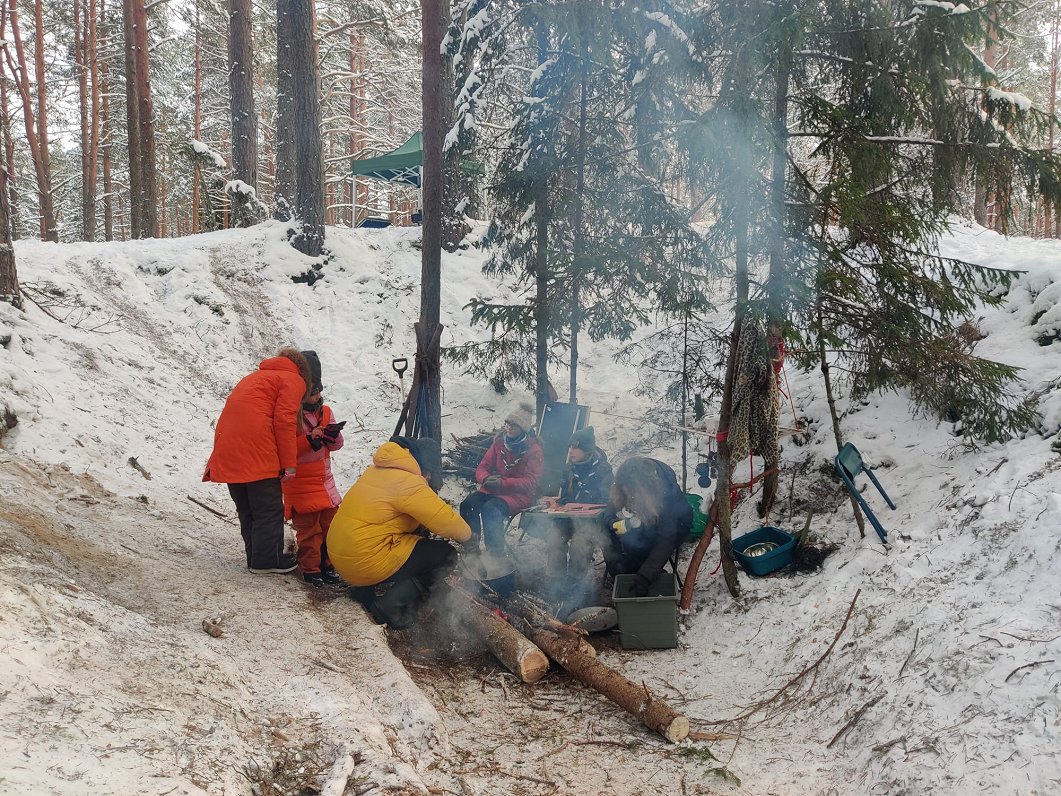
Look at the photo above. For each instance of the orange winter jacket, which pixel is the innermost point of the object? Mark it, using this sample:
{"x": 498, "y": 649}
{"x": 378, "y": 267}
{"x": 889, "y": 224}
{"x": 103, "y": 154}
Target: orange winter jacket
{"x": 374, "y": 531}
{"x": 255, "y": 435}
{"x": 313, "y": 487}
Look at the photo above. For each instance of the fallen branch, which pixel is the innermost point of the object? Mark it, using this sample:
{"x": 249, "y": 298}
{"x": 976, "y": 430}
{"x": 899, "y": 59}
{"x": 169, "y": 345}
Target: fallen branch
{"x": 908, "y": 657}
{"x": 139, "y": 468}
{"x": 854, "y": 719}
{"x": 812, "y": 668}
{"x": 211, "y": 509}
{"x": 1027, "y": 666}
{"x": 637, "y": 700}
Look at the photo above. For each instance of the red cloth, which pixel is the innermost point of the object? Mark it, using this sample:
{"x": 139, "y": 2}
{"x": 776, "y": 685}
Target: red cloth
{"x": 519, "y": 474}
{"x": 313, "y": 487}
{"x": 311, "y": 531}
{"x": 255, "y": 436}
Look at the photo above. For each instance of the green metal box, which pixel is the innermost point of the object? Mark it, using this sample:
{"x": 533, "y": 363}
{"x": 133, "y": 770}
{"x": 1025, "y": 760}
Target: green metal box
{"x": 649, "y": 622}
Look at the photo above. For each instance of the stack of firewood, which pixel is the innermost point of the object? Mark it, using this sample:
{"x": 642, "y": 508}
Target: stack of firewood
{"x": 463, "y": 455}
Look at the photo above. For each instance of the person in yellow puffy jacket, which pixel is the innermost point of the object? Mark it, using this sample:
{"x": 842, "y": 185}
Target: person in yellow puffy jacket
{"x": 375, "y": 536}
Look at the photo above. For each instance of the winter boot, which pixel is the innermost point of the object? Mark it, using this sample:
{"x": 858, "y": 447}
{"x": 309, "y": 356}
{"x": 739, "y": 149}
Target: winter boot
{"x": 330, "y": 576}
{"x": 398, "y": 607}
{"x": 284, "y": 565}
{"x": 314, "y": 579}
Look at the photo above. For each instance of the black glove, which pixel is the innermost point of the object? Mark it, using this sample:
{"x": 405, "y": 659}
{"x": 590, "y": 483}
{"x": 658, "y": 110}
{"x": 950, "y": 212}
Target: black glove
{"x": 642, "y": 586}
{"x": 315, "y": 442}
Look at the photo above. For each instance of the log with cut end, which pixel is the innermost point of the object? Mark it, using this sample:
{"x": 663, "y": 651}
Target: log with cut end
{"x": 512, "y": 648}
{"x": 635, "y": 699}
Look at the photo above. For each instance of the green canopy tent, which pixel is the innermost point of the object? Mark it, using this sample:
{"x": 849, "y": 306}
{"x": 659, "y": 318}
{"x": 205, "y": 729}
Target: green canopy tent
{"x": 403, "y": 164}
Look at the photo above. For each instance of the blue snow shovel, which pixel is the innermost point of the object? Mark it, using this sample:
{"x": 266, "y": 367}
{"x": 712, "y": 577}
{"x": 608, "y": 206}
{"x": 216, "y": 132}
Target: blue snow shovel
{"x": 849, "y": 464}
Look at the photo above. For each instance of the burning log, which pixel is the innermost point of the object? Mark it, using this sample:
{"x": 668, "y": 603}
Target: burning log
{"x": 512, "y": 648}
{"x": 636, "y": 700}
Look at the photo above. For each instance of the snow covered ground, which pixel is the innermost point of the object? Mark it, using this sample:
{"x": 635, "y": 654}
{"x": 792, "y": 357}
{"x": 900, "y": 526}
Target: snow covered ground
{"x": 945, "y": 679}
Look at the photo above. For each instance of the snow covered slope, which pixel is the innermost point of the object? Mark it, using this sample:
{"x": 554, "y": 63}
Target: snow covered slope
{"x": 110, "y": 685}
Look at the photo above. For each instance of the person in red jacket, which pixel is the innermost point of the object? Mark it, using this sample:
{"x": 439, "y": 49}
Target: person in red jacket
{"x": 310, "y": 498}
{"x": 255, "y": 447}
{"x": 508, "y": 477}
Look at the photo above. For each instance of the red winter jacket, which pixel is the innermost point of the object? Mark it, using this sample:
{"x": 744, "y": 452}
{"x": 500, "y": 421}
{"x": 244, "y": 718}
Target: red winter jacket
{"x": 313, "y": 487}
{"x": 255, "y": 436}
{"x": 519, "y": 474}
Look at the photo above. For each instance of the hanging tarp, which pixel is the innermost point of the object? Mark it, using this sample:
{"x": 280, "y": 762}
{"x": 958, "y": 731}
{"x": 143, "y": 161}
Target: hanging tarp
{"x": 403, "y": 164}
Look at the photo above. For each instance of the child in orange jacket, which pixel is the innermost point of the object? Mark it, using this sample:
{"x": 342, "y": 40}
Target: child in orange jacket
{"x": 311, "y": 498}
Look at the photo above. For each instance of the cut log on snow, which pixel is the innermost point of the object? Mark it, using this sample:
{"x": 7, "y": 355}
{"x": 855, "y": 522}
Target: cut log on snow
{"x": 635, "y": 699}
{"x": 511, "y": 647}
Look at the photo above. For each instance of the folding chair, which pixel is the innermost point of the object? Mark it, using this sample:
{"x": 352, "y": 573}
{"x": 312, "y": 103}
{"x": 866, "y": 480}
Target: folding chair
{"x": 849, "y": 464}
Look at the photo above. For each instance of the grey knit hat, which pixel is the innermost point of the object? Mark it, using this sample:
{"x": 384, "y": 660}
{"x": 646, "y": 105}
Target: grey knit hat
{"x": 584, "y": 439}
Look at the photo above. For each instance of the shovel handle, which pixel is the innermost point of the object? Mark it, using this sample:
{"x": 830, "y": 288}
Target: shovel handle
{"x": 400, "y": 365}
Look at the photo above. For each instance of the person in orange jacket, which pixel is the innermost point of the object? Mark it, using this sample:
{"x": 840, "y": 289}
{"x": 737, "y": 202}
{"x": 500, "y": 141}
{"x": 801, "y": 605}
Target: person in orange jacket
{"x": 255, "y": 448}
{"x": 310, "y": 498}
{"x": 376, "y": 536}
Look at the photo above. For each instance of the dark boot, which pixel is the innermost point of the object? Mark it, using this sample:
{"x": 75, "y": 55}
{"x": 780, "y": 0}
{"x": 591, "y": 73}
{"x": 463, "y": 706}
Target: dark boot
{"x": 398, "y": 607}
{"x": 313, "y": 579}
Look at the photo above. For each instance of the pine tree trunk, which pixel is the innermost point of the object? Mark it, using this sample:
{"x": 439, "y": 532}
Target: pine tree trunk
{"x": 107, "y": 130}
{"x": 20, "y": 72}
{"x": 541, "y": 274}
{"x": 427, "y": 357}
{"x": 90, "y": 189}
{"x": 49, "y": 225}
{"x": 309, "y": 167}
{"x": 132, "y": 111}
{"x": 579, "y": 243}
{"x": 9, "y": 289}
{"x": 9, "y": 143}
{"x": 197, "y": 119}
{"x": 1055, "y": 65}
{"x": 284, "y": 185}
{"x": 145, "y": 127}
{"x": 725, "y": 463}
{"x": 241, "y": 103}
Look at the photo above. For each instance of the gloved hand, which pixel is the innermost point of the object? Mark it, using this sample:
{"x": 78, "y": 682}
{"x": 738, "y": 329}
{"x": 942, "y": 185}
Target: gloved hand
{"x": 287, "y": 475}
{"x": 331, "y": 431}
{"x": 642, "y": 586}
{"x": 316, "y": 443}
{"x": 493, "y": 481}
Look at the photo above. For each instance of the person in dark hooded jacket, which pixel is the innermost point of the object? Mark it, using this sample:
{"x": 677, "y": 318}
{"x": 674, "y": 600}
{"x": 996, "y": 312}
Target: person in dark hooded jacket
{"x": 572, "y": 541}
{"x": 650, "y": 520}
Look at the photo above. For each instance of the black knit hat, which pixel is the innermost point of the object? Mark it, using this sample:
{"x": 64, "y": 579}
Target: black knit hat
{"x": 583, "y": 439}
{"x": 314, "y": 368}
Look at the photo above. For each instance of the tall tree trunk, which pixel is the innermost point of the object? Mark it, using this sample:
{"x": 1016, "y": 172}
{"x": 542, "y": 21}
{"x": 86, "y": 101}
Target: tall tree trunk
{"x": 579, "y": 247}
{"x": 9, "y": 142}
{"x": 1055, "y": 66}
{"x": 50, "y": 229}
{"x": 132, "y": 110}
{"x": 107, "y": 129}
{"x": 9, "y": 289}
{"x": 284, "y": 184}
{"x": 38, "y": 151}
{"x": 541, "y": 273}
{"x": 241, "y": 104}
{"x": 981, "y": 187}
{"x": 89, "y": 196}
{"x": 197, "y": 119}
{"x": 309, "y": 165}
{"x": 427, "y": 355}
{"x": 145, "y": 126}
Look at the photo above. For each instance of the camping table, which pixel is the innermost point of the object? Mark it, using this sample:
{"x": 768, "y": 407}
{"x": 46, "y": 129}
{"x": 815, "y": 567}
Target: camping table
{"x": 537, "y": 520}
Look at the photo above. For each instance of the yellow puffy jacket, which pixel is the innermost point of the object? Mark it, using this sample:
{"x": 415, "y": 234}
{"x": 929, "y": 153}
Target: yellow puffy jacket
{"x": 373, "y": 533}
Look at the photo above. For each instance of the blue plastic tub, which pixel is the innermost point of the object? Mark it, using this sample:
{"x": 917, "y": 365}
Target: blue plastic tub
{"x": 780, "y": 556}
